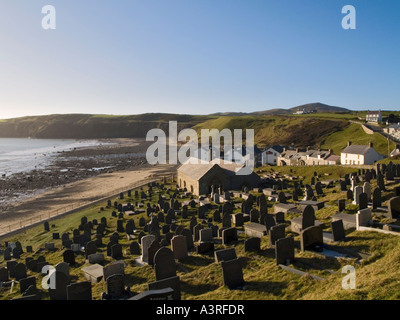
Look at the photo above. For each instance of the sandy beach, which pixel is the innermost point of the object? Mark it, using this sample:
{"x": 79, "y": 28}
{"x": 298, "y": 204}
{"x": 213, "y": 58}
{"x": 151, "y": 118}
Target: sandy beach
{"x": 71, "y": 181}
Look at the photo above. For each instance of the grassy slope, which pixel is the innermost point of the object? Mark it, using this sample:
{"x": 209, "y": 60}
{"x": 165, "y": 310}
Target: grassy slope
{"x": 201, "y": 277}
{"x": 285, "y": 130}
{"x": 354, "y": 133}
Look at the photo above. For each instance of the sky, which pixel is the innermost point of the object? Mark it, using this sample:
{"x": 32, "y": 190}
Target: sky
{"x": 196, "y": 56}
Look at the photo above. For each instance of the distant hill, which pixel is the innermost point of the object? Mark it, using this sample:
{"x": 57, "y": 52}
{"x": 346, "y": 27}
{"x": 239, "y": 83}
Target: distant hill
{"x": 310, "y": 107}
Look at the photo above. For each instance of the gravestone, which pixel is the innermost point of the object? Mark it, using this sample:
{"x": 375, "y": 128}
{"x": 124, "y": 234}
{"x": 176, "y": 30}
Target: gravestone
{"x": 238, "y": 219}
{"x": 115, "y": 286}
{"x": 116, "y": 267}
{"x": 59, "y": 291}
{"x": 349, "y": 195}
{"x": 179, "y": 247}
{"x": 275, "y": 233}
{"x": 4, "y": 275}
{"x": 226, "y": 221}
{"x": 229, "y": 235}
{"x": 90, "y": 248}
{"x": 338, "y": 232}
{"x": 205, "y": 235}
{"x": 318, "y": 188}
{"x": 116, "y": 251}
{"x": 394, "y": 207}
{"x": 363, "y": 218}
{"x": 196, "y": 232}
{"x": 357, "y": 191}
{"x": 232, "y": 274}
{"x": 79, "y": 291}
{"x": 164, "y": 264}
{"x": 343, "y": 186}
{"x": 96, "y": 258}
{"x": 152, "y": 250}
{"x": 130, "y": 227}
{"x": 254, "y": 215}
{"x": 63, "y": 267}
{"x": 204, "y": 247}
{"x": 216, "y": 216}
{"x": 145, "y": 243}
{"x": 46, "y": 226}
{"x": 269, "y": 221}
{"x": 142, "y": 222}
{"x": 282, "y": 197}
{"x": 134, "y": 248}
{"x": 308, "y": 217}
{"x": 376, "y": 198}
{"x": 25, "y": 283}
{"x": 252, "y": 244}
{"x": 342, "y": 205}
{"x": 363, "y": 201}
{"x": 225, "y": 255}
{"x": 311, "y": 238}
{"x": 284, "y": 251}
{"x": 367, "y": 190}
{"x": 173, "y": 283}
{"x": 19, "y": 271}
{"x": 189, "y": 238}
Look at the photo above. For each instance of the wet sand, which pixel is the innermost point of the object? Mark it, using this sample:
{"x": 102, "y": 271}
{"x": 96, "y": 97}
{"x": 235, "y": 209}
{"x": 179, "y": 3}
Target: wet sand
{"x": 71, "y": 181}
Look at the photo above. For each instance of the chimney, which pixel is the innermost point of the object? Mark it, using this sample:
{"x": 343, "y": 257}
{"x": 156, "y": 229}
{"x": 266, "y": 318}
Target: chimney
{"x": 348, "y": 143}
{"x": 371, "y": 145}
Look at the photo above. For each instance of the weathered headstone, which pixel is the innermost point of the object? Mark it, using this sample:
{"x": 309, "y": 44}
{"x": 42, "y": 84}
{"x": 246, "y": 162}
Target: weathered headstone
{"x": 275, "y": 233}
{"x": 284, "y": 251}
{"x": 79, "y": 291}
{"x": 232, "y": 273}
{"x": 164, "y": 264}
{"x": 311, "y": 238}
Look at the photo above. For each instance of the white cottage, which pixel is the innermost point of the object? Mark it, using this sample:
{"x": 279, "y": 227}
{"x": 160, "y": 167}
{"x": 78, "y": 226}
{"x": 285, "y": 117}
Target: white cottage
{"x": 359, "y": 155}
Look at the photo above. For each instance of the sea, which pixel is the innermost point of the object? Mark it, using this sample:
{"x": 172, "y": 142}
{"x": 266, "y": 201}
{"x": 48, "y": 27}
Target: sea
{"x": 25, "y": 154}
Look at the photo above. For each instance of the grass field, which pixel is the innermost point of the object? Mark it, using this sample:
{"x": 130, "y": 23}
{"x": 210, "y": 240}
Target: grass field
{"x": 201, "y": 278}
{"x": 354, "y": 133}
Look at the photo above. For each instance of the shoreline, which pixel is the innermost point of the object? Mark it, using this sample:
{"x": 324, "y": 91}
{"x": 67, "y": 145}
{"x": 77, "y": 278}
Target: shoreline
{"x": 71, "y": 166}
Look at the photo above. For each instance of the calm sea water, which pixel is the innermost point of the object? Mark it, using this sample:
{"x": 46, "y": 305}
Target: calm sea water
{"x": 23, "y": 155}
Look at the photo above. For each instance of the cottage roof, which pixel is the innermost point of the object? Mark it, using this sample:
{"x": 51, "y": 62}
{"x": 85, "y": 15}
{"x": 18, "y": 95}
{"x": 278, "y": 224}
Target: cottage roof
{"x": 356, "y": 149}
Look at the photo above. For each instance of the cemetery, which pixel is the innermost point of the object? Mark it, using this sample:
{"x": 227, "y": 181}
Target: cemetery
{"x": 289, "y": 238}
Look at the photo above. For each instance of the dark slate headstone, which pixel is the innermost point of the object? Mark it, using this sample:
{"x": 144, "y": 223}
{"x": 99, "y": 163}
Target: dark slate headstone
{"x": 394, "y": 208}
{"x": 134, "y": 248}
{"x": 46, "y": 226}
{"x": 116, "y": 251}
{"x": 308, "y": 217}
{"x": 196, "y": 232}
{"x": 164, "y": 264}
{"x": 189, "y": 238}
{"x": 204, "y": 247}
{"x": 275, "y": 233}
{"x": 311, "y": 238}
{"x": 225, "y": 255}
{"x": 282, "y": 197}
{"x": 343, "y": 186}
{"x": 173, "y": 283}
{"x": 338, "y": 230}
{"x": 130, "y": 227}
{"x": 115, "y": 286}
{"x": 29, "y": 249}
{"x": 229, "y": 235}
{"x": 79, "y": 291}
{"x": 376, "y": 198}
{"x": 69, "y": 257}
{"x": 226, "y": 221}
{"x": 284, "y": 251}
{"x": 318, "y": 188}
{"x": 232, "y": 273}
{"x": 342, "y": 205}
{"x": 363, "y": 201}
{"x": 4, "y": 275}
{"x": 349, "y": 195}
{"x": 269, "y": 221}
{"x": 25, "y": 283}
{"x": 32, "y": 265}
{"x": 152, "y": 250}
{"x": 238, "y": 219}
{"x": 252, "y": 244}
{"x": 59, "y": 291}
{"x": 16, "y": 253}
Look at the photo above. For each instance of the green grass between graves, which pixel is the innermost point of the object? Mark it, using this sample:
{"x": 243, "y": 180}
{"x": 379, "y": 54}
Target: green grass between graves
{"x": 201, "y": 277}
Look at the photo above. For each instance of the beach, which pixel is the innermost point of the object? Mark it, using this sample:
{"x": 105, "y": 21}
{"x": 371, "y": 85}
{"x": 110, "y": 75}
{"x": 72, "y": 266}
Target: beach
{"x": 77, "y": 177}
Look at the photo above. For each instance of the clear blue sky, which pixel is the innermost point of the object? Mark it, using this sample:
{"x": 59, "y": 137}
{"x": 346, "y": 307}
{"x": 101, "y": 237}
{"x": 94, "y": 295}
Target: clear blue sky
{"x": 196, "y": 56}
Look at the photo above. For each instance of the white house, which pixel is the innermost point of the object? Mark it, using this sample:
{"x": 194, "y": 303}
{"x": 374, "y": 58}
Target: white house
{"x": 395, "y": 152}
{"x": 359, "y": 155}
{"x": 374, "y": 116}
{"x": 270, "y": 155}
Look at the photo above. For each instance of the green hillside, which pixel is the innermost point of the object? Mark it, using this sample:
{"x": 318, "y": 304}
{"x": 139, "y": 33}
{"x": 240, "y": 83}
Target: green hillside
{"x": 354, "y": 133}
{"x": 282, "y": 130}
